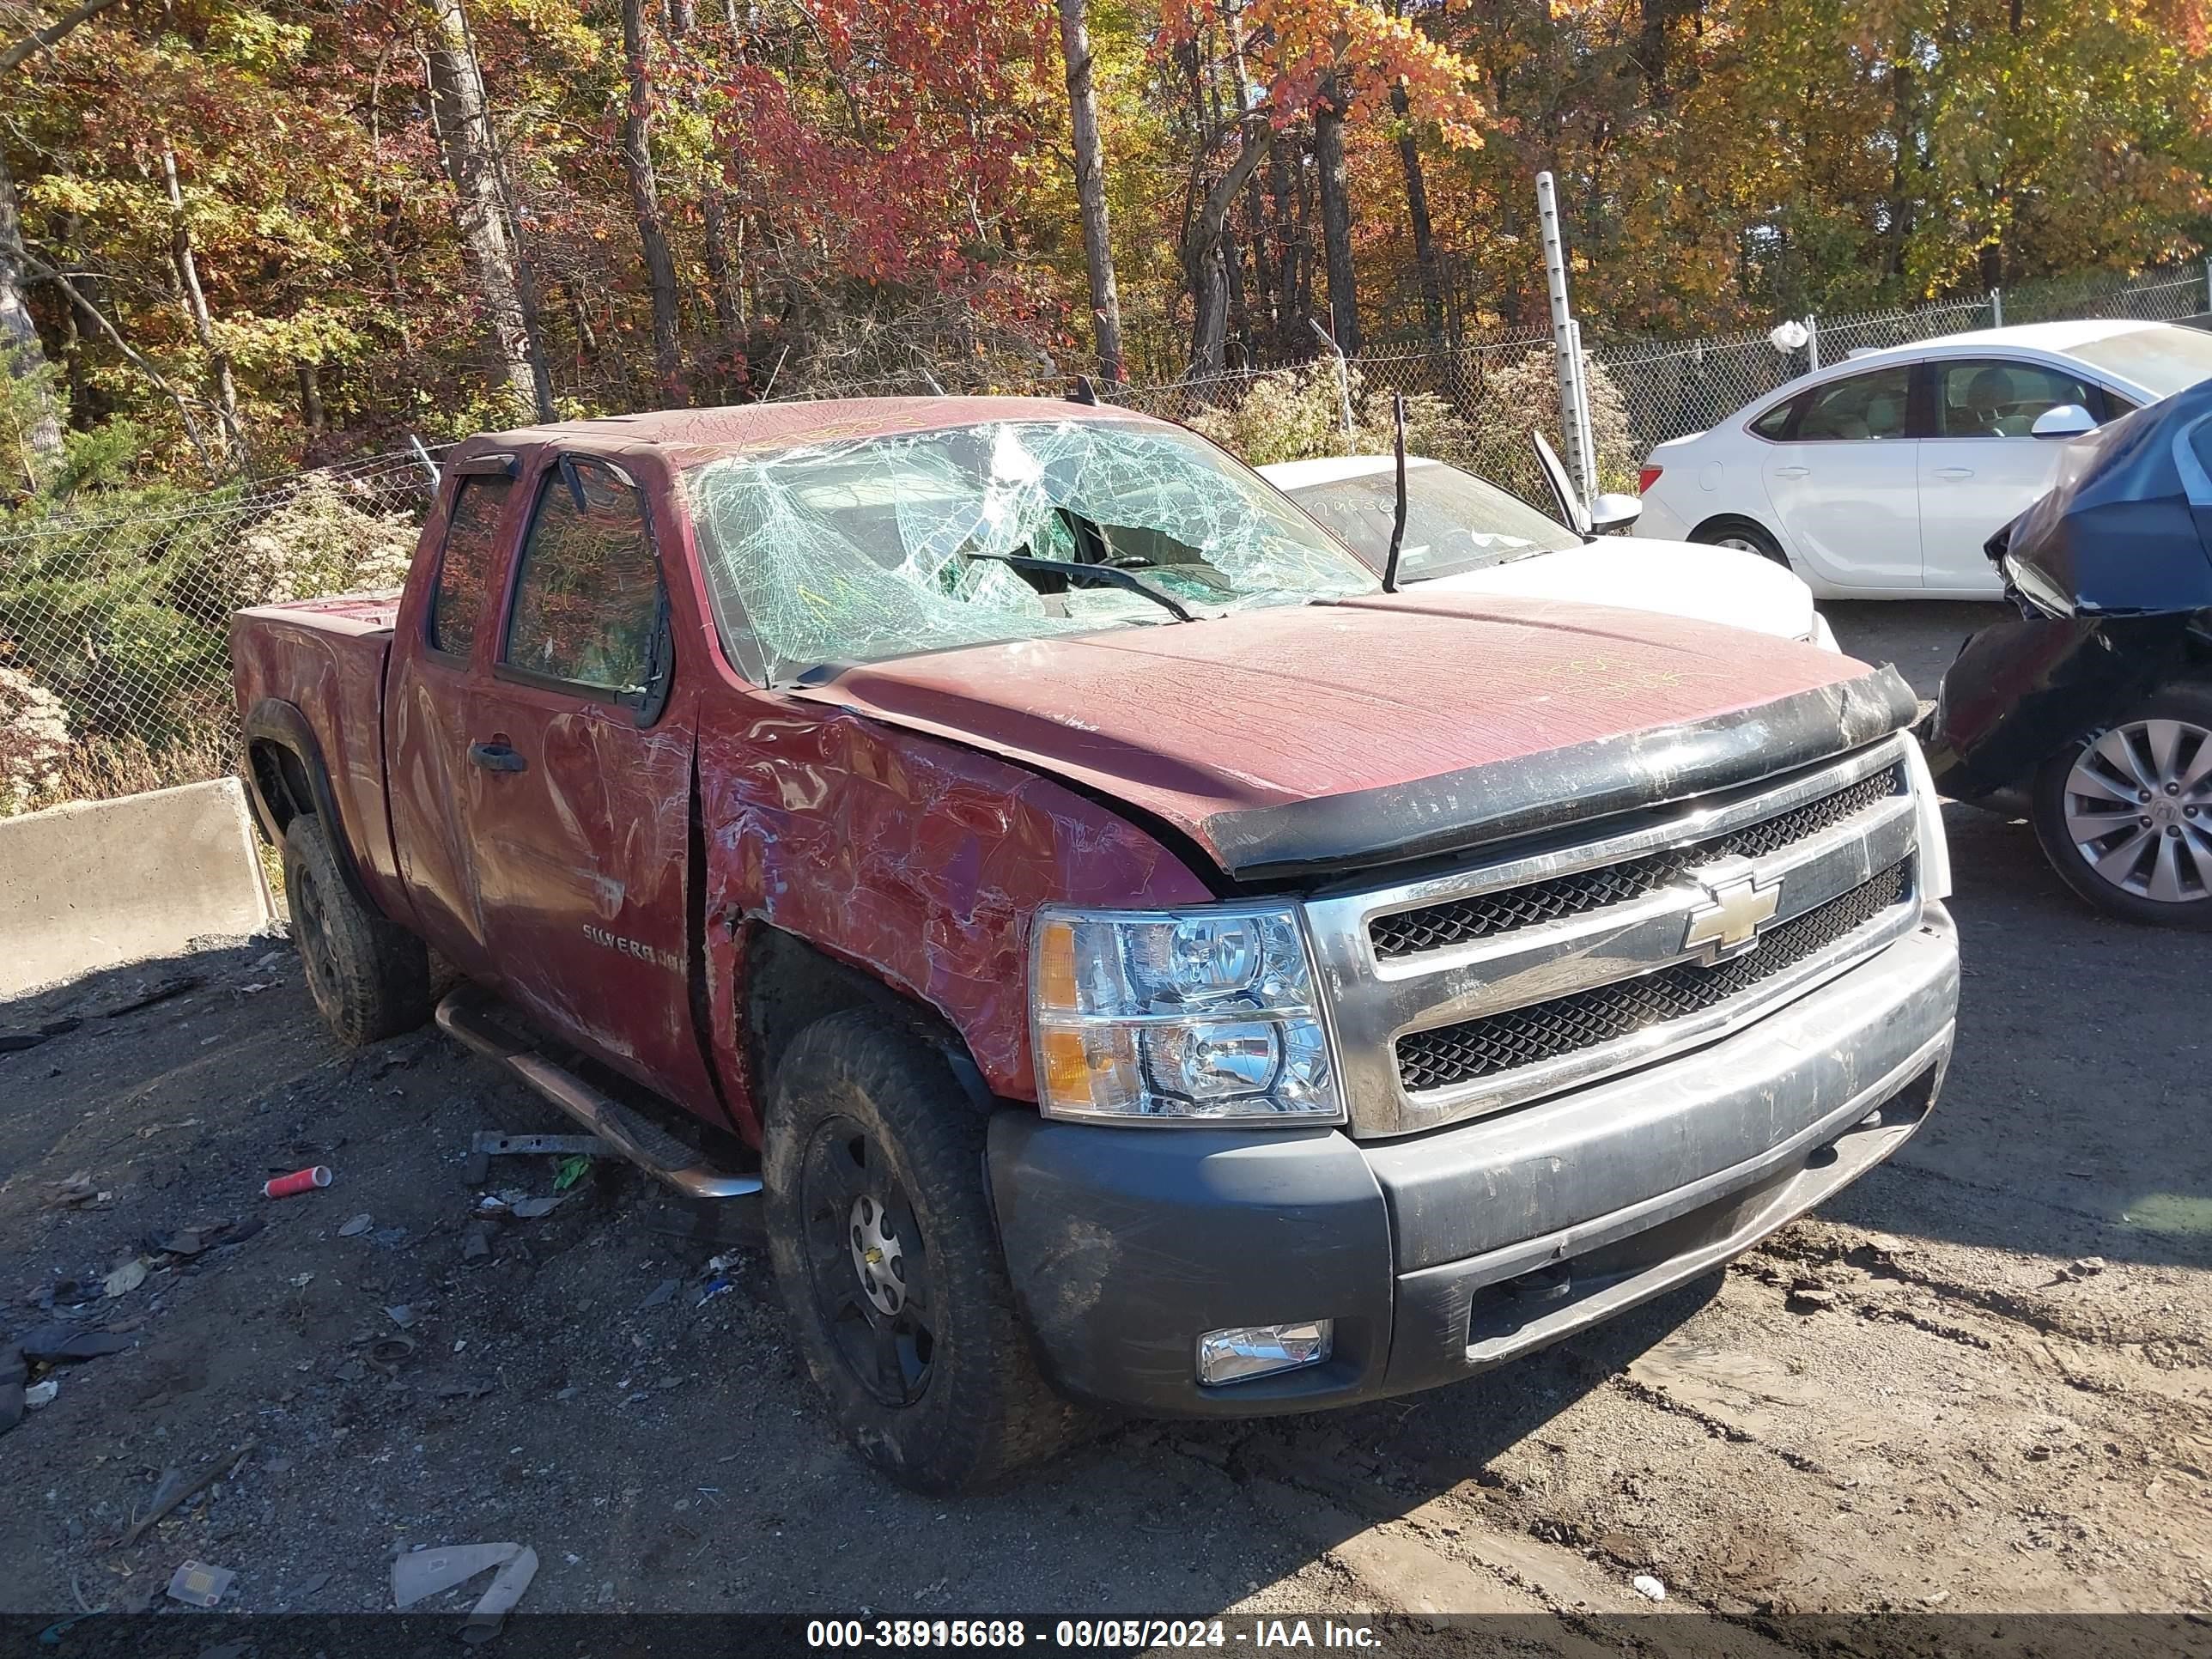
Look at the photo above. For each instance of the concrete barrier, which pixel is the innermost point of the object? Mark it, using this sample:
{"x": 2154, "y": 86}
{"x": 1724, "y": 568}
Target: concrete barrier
{"x": 98, "y": 883}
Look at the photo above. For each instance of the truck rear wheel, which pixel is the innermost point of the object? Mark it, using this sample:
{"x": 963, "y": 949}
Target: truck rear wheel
{"x": 370, "y": 979}
{"x": 880, "y": 1229}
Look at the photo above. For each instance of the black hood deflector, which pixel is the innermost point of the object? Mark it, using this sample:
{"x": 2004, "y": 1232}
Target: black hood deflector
{"x": 1504, "y": 800}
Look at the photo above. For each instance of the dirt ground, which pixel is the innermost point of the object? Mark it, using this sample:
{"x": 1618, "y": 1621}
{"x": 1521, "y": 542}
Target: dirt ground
{"x": 1977, "y": 1380}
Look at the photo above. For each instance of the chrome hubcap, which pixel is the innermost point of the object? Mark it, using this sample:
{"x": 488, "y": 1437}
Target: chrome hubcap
{"x": 877, "y": 1255}
{"x": 2139, "y": 810}
{"x": 1740, "y": 544}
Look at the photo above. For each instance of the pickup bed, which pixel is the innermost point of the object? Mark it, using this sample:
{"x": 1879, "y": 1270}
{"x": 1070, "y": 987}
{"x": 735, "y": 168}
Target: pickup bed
{"x": 1139, "y": 964}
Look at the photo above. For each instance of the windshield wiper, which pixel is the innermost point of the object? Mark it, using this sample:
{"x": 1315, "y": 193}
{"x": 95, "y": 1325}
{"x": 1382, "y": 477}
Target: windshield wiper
{"x": 1112, "y": 576}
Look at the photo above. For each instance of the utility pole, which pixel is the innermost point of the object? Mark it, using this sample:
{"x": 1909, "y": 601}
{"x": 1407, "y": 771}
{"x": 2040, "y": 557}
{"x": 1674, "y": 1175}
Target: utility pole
{"x": 1574, "y": 418}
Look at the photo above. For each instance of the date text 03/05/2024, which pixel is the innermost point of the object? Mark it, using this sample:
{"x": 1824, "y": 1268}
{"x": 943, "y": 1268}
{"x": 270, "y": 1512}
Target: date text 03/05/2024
{"x": 1113, "y": 1635}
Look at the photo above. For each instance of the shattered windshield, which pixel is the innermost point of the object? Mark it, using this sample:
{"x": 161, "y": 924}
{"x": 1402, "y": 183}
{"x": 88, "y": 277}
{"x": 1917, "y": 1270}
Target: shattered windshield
{"x": 1455, "y": 523}
{"x": 858, "y": 551}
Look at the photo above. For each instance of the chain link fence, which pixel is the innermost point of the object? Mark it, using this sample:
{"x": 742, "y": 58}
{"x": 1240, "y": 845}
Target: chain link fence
{"x": 114, "y": 653}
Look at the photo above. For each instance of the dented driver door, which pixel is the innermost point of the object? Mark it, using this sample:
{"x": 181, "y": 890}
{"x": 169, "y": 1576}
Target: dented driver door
{"x": 578, "y": 776}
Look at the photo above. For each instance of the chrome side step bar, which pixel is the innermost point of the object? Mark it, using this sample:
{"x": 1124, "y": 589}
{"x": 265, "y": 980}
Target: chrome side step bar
{"x": 466, "y": 1016}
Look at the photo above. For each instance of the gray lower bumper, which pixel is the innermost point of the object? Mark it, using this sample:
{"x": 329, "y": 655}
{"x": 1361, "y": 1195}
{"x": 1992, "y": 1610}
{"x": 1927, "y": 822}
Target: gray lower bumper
{"x": 1442, "y": 1254}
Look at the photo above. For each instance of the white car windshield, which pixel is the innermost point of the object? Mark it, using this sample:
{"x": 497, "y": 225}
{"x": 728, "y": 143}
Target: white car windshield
{"x": 863, "y": 549}
{"x": 1455, "y": 522}
{"x": 2163, "y": 360}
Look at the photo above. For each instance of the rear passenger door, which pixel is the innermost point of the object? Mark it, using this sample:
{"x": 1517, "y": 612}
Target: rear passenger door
{"x": 1842, "y": 480}
{"x": 579, "y": 783}
{"x": 1979, "y": 466}
{"x": 437, "y": 657}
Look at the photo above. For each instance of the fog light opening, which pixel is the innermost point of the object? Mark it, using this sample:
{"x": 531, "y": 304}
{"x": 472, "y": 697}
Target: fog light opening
{"x": 1244, "y": 1352}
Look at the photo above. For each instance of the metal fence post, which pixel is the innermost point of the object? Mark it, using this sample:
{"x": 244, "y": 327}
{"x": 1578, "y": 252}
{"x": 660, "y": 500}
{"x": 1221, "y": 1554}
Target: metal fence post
{"x": 1343, "y": 376}
{"x": 1996, "y": 307}
{"x": 2207, "y": 284}
{"x": 1812, "y": 340}
{"x": 1572, "y": 421}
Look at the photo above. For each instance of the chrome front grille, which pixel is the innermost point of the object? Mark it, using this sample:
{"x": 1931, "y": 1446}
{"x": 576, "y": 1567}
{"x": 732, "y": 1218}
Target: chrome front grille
{"x": 1438, "y": 927}
{"x": 1477, "y": 991}
{"x": 1449, "y": 1054}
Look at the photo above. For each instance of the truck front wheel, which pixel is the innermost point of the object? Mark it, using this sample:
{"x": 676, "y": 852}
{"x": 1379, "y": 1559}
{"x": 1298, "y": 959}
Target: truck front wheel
{"x": 880, "y": 1230}
{"x": 370, "y": 979}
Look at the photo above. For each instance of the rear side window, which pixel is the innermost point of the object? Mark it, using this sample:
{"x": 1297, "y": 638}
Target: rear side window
{"x": 1871, "y": 405}
{"x": 464, "y": 563}
{"x": 1774, "y": 425}
{"x": 587, "y": 597}
{"x": 1983, "y": 398}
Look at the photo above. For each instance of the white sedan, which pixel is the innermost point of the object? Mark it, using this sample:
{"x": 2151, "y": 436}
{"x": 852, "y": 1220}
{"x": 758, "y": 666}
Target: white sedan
{"x": 1468, "y": 536}
{"x": 1881, "y": 477}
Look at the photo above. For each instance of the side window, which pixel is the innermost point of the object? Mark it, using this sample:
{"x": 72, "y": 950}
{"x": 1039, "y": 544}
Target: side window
{"x": 1979, "y": 398}
{"x": 1775, "y": 423}
{"x": 1869, "y": 405}
{"x": 464, "y": 563}
{"x": 588, "y": 595}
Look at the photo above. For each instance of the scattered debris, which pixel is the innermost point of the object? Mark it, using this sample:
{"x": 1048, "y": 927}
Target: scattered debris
{"x": 401, "y": 1314}
{"x": 488, "y": 1144}
{"x": 161, "y": 991}
{"x": 54, "y": 1345}
{"x": 476, "y": 1242}
{"x": 2087, "y": 1267}
{"x": 68, "y": 1195}
{"x": 309, "y": 1585}
{"x": 174, "y": 1487}
{"x": 1648, "y": 1587}
{"x": 125, "y": 1278}
{"x": 39, "y": 1395}
{"x": 573, "y": 1169}
{"x": 2039, "y": 1453}
{"x": 658, "y": 1294}
{"x": 528, "y": 1209}
{"x": 300, "y": 1181}
{"x": 427, "y": 1572}
{"x": 1809, "y": 1296}
{"x": 354, "y": 1228}
{"x": 193, "y": 1241}
{"x": 719, "y": 1287}
{"x": 15, "y": 1041}
{"x": 258, "y": 984}
{"x": 198, "y": 1585}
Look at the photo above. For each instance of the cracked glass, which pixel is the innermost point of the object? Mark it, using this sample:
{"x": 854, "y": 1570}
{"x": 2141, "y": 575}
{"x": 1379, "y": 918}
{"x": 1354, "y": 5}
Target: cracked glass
{"x": 868, "y": 549}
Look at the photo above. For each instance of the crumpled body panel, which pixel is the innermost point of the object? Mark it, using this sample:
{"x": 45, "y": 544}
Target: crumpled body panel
{"x": 2110, "y": 570}
{"x": 915, "y": 860}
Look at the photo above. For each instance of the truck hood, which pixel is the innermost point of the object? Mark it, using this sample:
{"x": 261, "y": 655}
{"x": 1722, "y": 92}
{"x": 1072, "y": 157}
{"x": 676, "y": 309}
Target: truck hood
{"x": 1288, "y": 743}
{"x": 1678, "y": 578}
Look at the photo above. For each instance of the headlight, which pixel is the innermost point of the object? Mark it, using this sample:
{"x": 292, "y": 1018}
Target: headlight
{"x": 1202, "y": 1016}
{"x": 1928, "y": 811}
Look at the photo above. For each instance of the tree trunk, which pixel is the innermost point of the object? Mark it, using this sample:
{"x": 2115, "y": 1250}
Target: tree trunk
{"x": 714, "y": 210}
{"x": 196, "y": 306}
{"x": 645, "y": 196}
{"x": 1416, "y": 207}
{"x": 462, "y": 121}
{"x": 1336, "y": 216}
{"x": 1090, "y": 188}
{"x": 19, "y": 340}
{"x": 1202, "y": 262}
{"x": 310, "y": 400}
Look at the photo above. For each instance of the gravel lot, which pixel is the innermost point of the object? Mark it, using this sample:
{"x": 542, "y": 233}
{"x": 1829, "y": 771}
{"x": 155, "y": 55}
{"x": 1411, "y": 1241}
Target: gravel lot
{"x": 1995, "y": 1396}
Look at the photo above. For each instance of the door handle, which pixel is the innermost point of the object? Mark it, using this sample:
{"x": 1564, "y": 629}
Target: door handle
{"x": 1792, "y": 471}
{"x": 497, "y": 757}
{"x": 1954, "y": 472}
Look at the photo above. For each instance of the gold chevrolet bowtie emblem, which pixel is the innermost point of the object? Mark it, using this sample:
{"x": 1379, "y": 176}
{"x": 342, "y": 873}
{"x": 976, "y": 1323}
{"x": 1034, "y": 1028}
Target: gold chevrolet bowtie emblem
{"x": 1729, "y": 923}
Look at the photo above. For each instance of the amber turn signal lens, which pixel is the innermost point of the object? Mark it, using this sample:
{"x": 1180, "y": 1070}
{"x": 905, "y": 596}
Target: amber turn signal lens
{"x": 1055, "y": 968}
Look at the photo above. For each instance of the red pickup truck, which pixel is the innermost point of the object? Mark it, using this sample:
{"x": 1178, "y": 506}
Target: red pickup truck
{"x": 1139, "y": 964}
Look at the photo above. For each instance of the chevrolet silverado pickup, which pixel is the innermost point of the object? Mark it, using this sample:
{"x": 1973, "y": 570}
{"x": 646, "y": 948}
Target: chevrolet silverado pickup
{"x": 1139, "y": 965}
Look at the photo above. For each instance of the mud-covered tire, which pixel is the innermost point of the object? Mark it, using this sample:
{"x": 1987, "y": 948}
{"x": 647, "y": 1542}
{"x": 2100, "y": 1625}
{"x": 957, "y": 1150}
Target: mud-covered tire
{"x": 2178, "y": 718}
{"x": 861, "y": 1106}
{"x": 369, "y": 978}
